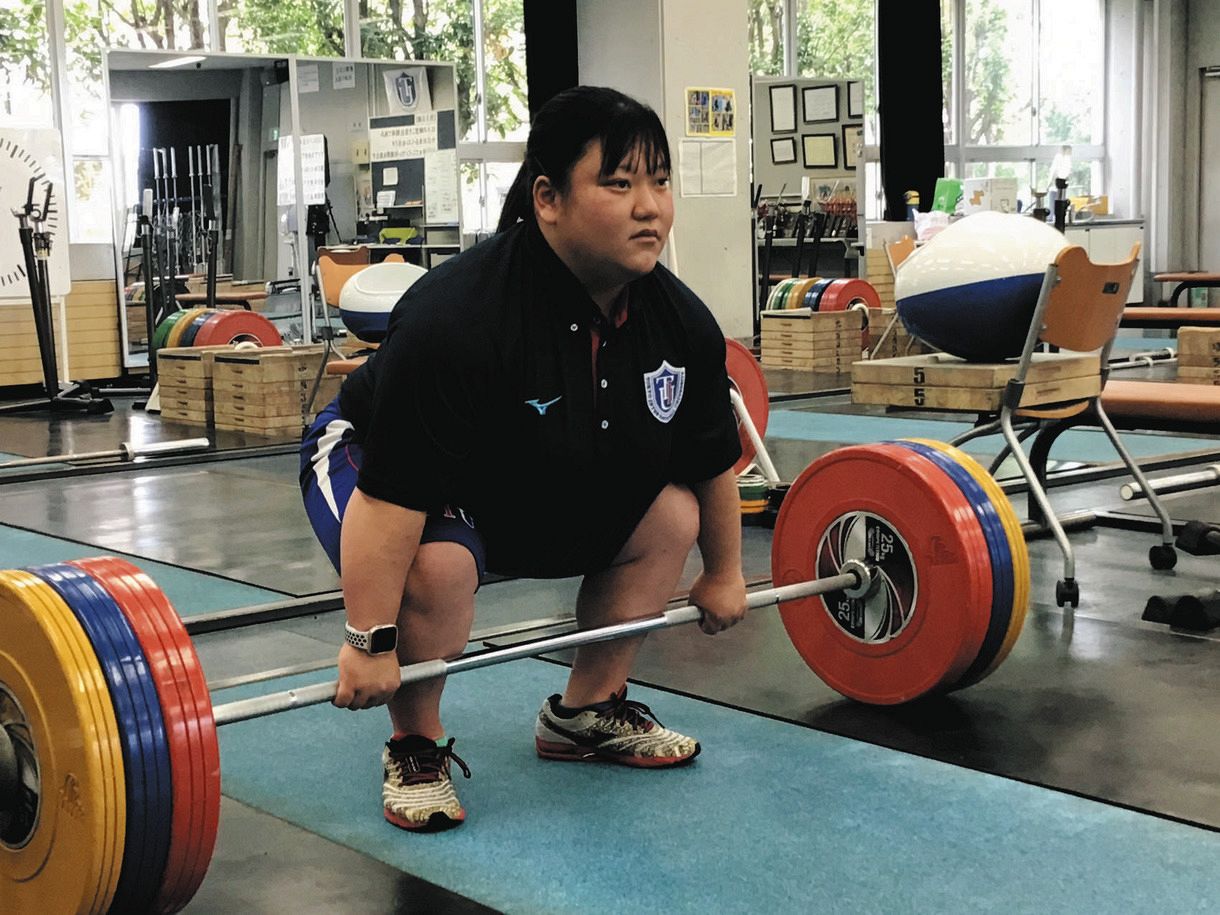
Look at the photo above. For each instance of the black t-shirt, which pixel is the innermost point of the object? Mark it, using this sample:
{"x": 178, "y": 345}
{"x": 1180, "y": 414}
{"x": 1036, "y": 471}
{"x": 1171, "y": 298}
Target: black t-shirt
{"x": 484, "y": 396}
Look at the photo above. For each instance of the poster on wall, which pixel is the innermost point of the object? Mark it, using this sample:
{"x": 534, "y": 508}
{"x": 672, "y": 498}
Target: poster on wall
{"x": 820, "y": 150}
{"x": 783, "y": 108}
{"x": 710, "y": 112}
{"x": 307, "y": 78}
{"x": 820, "y": 103}
{"x": 708, "y": 168}
{"x": 406, "y": 90}
{"x": 853, "y": 142}
{"x": 855, "y": 100}
{"x": 783, "y": 150}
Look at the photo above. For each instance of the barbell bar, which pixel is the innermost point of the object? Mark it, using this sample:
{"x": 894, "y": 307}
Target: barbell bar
{"x": 1208, "y": 476}
{"x": 856, "y": 580}
{"x": 128, "y": 451}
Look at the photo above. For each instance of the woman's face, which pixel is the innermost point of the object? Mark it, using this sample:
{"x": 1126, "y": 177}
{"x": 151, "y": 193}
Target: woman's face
{"x": 610, "y": 229}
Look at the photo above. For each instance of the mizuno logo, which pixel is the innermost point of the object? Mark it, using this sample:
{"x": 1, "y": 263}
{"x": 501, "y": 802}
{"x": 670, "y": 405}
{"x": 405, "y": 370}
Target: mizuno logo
{"x": 542, "y": 407}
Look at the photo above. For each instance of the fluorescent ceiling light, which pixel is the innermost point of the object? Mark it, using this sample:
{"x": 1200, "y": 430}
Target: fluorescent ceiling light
{"x": 177, "y": 62}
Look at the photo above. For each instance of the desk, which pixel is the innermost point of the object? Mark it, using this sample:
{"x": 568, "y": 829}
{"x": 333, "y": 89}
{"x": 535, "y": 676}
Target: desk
{"x": 1190, "y": 280}
{"x": 227, "y": 297}
{"x": 1166, "y": 318}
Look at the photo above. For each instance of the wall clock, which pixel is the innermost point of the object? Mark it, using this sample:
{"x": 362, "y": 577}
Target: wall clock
{"x": 26, "y": 154}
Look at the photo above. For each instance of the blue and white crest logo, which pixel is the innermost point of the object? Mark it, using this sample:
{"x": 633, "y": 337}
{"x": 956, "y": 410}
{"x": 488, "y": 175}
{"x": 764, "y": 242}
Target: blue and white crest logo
{"x": 404, "y": 85}
{"x": 663, "y": 390}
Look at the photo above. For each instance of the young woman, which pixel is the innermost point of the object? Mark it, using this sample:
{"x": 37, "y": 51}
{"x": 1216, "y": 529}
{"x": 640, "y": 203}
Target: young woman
{"x": 560, "y": 347}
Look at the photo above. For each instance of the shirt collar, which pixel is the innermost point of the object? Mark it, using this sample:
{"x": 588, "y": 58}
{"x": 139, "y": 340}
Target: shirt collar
{"x": 568, "y": 296}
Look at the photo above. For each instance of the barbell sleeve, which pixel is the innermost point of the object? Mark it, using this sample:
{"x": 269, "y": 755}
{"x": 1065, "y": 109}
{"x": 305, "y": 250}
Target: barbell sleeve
{"x": 127, "y": 452}
{"x": 1208, "y": 476}
{"x": 317, "y": 693}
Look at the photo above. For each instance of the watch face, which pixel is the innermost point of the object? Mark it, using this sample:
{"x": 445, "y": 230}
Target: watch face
{"x": 382, "y": 640}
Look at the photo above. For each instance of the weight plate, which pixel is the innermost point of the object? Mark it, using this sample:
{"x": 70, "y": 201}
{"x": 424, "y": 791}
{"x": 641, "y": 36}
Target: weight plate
{"x": 924, "y": 624}
{"x": 796, "y": 295}
{"x": 234, "y": 326}
{"x": 169, "y": 674}
{"x": 1016, "y": 546}
{"x": 61, "y": 852}
{"x": 1002, "y": 586}
{"x": 174, "y": 337}
{"x": 188, "y": 335}
{"x": 162, "y": 332}
{"x": 843, "y": 293}
{"x": 138, "y": 593}
{"x": 146, "y": 762}
{"x": 814, "y": 294}
{"x": 746, "y": 376}
{"x": 779, "y": 294}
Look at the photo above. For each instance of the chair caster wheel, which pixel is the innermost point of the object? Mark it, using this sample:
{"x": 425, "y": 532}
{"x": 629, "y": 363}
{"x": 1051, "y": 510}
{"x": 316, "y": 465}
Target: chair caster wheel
{"x": 1067, "y": 592}
{"x": 1163, "y": 556}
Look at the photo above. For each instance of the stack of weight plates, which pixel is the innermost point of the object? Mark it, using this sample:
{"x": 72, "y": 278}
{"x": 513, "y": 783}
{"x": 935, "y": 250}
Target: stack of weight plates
{"x": 951, "y": 570}
{"x": 212, "y": 327}
{"x": 752, "y": 490}
{"x": 109, "y": 765}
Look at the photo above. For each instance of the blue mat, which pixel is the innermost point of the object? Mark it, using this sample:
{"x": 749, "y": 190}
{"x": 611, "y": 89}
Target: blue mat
{"x": 1085, "y": 445}
{"x": 771, "y": 818}
{"x": 189, "y": 590}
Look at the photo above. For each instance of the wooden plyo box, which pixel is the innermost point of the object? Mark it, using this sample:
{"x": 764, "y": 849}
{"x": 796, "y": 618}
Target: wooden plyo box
{"x": 819, "y": 341}
{"x": 1199, "y": 347}
{"x": 943, "y": 382}
{"x": 267, "y": 391}
{"x": 1190, "y": 375}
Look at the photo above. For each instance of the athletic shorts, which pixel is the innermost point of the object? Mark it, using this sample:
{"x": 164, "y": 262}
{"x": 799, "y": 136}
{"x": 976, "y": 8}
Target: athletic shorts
{"x": 330, "y": 464}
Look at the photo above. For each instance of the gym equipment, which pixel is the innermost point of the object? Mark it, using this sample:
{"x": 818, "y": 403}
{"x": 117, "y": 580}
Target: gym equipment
{"x": 748, "y": 393}
{"x": 36, "y": 241}
{"x": 368, "y": 296}
{"x": 128, "y": 451}
{"x": 971, "y": 290}
{"x": 1200, "y": 539}
{"x": 101, "y": 693}
{"x": 1208, "y": 476}
{"x": 1197, "y": 612}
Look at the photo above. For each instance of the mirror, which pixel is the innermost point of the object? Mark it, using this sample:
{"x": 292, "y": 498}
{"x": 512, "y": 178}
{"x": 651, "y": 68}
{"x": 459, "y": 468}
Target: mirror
{"x": 189, "y": 130}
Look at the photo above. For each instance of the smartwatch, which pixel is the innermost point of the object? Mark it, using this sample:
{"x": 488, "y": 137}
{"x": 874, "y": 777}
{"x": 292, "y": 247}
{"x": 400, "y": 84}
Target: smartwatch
{"x": 378, "y": 640}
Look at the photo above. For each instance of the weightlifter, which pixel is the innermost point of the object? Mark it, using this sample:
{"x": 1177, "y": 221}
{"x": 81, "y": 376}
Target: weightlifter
{"x": 549, "y": 403}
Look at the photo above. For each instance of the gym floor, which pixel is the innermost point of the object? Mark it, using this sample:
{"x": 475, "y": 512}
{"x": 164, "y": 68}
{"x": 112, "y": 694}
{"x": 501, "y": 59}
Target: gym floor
{"x": 1080, "y": 776}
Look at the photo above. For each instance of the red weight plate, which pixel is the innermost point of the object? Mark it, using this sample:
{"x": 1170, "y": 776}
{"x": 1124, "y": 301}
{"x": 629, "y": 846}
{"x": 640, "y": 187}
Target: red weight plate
{"x": 897, "y": 511}
{"x": 173, "y": 686}
{"x": 193, "y": 687}
{"x": 842, "y": 294}
{"x": 746, "y": 375}
{"x": 236, "y": 326}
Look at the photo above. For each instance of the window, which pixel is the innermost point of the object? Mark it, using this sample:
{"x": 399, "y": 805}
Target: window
{"x": 312, "y": 28}
{"x": 998, "y": 80}
{"x": 25, "y": 65}
{"x": 766, "y": 36}
{"x": 835, "y": 40}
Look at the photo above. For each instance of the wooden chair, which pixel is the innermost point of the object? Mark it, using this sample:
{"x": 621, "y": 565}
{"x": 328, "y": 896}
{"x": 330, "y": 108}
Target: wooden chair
{"x": 896, "y": 252}
{"x": 1079, "y": 308}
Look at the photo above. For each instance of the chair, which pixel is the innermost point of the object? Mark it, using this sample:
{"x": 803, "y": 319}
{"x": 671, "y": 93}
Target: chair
{"x": 896, "y": 252}
{"x": 1079, "y": 307}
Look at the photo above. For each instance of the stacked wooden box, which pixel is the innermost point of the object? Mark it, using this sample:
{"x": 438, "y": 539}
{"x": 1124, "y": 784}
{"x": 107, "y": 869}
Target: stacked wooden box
{"x": 1199, "y": 355}
{"x": 184, "y": 383}
{"x": 938, "y": 381}
{"x": 266, "y": 391}
{"x": 817, "y": 341}
{"x": 86, "y": 350}
{"x": 877, "y": 271}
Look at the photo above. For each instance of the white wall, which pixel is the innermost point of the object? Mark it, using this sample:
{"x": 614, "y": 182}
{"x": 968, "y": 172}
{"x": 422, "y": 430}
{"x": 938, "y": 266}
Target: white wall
{"x": 654, "y": 50}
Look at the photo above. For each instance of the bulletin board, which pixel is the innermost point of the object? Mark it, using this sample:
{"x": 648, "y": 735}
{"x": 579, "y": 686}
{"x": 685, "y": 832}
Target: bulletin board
{"x": 808, "y": 128}
{"x": 413, "y": 160}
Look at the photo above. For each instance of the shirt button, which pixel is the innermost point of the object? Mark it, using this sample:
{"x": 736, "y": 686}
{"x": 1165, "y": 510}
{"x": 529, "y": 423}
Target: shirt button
{"x": 605, "y": 424}
{"x": 605, "y": 383}
{"x": 574, "y": 328}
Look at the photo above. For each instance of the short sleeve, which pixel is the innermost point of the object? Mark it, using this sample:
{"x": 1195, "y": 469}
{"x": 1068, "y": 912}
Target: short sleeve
{"x": 706, "y": 443}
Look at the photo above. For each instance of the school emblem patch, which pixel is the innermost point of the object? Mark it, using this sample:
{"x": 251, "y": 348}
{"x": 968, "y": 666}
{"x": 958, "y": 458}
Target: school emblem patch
{"x": 663, "y": 390}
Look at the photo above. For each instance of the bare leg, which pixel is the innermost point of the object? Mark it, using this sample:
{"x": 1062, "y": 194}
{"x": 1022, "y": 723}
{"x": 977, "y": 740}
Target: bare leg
{"x": 434, "y": 622}
{"x": 638, "y": 584}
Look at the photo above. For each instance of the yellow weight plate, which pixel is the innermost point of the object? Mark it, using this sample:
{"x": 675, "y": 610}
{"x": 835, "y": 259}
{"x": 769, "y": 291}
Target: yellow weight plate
{"x": 62, "y": 852}
{"x": 1016, "y": 544}
{"x": 175, "y": 333}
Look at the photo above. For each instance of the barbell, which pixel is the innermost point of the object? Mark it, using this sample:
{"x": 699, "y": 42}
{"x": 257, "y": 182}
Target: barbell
{"x": 901, "y": 570}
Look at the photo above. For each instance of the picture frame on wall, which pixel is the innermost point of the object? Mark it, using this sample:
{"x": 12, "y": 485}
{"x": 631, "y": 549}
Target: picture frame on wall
{"x": 783, "y": 108}
{"x": 855, "y": 100}
{"x": 853, "y": 140}
{"x": 783, "y": 150}
{"x": 820, "y": 150}
{"x": 820, "y": 103}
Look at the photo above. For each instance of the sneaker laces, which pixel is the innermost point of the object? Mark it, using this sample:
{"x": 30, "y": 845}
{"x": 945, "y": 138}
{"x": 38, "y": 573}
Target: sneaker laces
{"x": 427, "y": 765}
{"x": 635, "y": 714}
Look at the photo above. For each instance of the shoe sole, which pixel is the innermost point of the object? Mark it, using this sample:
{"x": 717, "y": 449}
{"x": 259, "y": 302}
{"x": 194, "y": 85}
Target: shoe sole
{"x": 438, "y": 822}
{"x": 568, "y": 752}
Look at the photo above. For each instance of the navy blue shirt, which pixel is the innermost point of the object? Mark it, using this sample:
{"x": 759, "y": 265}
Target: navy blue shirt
{"x": 485, "y": 395}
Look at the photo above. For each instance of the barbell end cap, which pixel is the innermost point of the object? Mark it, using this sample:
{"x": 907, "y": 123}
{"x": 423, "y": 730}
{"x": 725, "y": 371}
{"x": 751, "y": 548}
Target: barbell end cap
{"x": 864, "y": 573}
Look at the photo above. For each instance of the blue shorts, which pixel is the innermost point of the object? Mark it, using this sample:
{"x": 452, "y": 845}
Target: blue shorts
{"x": 330, "y": 464}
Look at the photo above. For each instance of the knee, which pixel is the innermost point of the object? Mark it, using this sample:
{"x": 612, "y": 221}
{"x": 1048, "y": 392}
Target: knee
{"x": 443, "y": 579}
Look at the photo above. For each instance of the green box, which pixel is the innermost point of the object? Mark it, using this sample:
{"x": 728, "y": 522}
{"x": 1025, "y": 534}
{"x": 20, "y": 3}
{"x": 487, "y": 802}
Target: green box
{"x": 947, "y": 194}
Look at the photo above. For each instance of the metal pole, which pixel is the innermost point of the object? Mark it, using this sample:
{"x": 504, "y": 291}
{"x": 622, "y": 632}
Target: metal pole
{"x": 128, "y": 452}
{"x": 760, "y": 450}
{"x": 316, "y": 694}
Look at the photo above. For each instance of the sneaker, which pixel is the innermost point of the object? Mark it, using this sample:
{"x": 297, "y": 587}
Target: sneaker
{"x": 418, "y": 792}
{"x": 620, "y": 731}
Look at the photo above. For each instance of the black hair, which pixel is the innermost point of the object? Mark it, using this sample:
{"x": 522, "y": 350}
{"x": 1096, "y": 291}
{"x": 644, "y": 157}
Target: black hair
{"x": 563, "y": 129}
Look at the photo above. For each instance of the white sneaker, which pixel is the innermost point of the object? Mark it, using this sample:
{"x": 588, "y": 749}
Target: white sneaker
{"x": 418, "y": 791}
{"x": 624, "y": 732}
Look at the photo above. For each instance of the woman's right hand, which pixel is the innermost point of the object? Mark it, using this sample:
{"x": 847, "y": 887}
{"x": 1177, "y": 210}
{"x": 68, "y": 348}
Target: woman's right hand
{"x": 365, "y": 680}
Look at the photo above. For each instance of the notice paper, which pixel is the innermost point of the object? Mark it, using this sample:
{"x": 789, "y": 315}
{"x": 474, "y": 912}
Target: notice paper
{"x": 307, "y": 78}
{"x": 708, "y": 168}
{"x": 343, "y": 76}
{"x": 440, "y": 186}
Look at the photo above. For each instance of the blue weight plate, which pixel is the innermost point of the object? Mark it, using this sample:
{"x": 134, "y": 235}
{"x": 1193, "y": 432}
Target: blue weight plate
{"x": 188, "y": 335}
{"x": 814, "y": 296}
{"x": 146, "y": 759}
{"x": 1001, "y": 559}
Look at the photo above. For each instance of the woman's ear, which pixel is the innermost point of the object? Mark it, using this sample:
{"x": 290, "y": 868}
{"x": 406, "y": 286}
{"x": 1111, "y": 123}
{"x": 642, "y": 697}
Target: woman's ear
{"x": 546, "y": 200}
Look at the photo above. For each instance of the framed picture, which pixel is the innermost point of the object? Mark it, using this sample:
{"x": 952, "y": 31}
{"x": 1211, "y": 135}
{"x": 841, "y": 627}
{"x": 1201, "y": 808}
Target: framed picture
{"x": 783, "y": 150}
{"x": 783, "y": 108}
{"x": 820, "y": 150}
{"x": 853, "y": 140}
{"x": 820, "y": 103}
{"x": 855, "y": 100}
